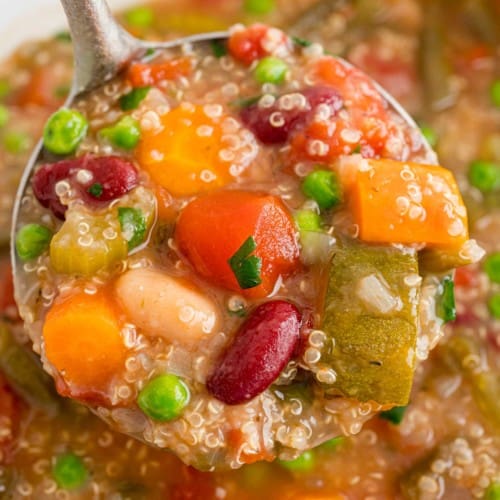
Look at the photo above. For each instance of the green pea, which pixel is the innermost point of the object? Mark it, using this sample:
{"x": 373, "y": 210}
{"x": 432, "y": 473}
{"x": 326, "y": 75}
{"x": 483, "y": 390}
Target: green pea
{"x": 494, "y": 305}
{"x": 323, "y": 187}
{"x": 302, "y": 463}
{"x": 394, "y": 415}
{"x": 492, "y": 267}
{"x": 164, "y": 398}
{"x": 124, "y": 134}
{"x": 484, "y": 175}
{"x": 307, "y": 220}
{"x": 270, "y": 70}
{"x": 333, "y": 444}
{"x": 63, "y": 36}
{"x": 5, "y": 88}
{"x": 140, "y": 17}
{"x": 259, "y": 6}
{"x": 69, "y": 471}
{"x": 430, "y": 135}
{"x": 131, "y": 101}
{"x": 493, "y": 491}
{"x": 133, "y": 224}
{"x": 16, "y": 142}
{"x": 64, "y": 131}
{"x": 32, "y": 240}
{"x": 4, "y": 115}
{"x": 495, "y": 93}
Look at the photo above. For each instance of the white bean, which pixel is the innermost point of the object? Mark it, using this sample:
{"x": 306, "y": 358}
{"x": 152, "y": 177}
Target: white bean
{"x": 163, "y": 306}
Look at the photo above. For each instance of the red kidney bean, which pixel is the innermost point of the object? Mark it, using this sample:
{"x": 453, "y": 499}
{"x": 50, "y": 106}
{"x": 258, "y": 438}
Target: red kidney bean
{"x": 258, "y": 119}
{"x": 96, "y": 179}
{"x": 261, "y": 349}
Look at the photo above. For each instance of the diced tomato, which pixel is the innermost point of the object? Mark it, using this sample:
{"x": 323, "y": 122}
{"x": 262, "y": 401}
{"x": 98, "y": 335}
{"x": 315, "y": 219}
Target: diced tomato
{"x": 252, "y": 43}
{"x": 212, "y": 228}
{"x": 40, "y": 90}
{"x": 8, "y": 307}
{"x": 466, "y": 277}
{"x": 192, "y": 484}
{"x": 142, "y": 74}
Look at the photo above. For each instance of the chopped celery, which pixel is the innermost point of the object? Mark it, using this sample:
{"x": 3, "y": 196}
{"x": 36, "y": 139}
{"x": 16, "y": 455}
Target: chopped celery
{"x": 72, "y": 252}
{"x": 25, "y": 374}
{"x": 370, "y": 311}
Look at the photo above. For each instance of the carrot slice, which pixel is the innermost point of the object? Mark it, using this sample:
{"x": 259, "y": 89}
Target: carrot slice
{"x": 405, "y": 202}
{"x": 142, "y": 74}
{"x": 211, "y": 229}
{"x": 82, "y": 340}
{"x": 183, "y": 156}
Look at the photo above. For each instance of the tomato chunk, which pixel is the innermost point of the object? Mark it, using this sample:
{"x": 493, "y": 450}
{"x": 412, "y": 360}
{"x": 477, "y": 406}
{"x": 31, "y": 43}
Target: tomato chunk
{"x": 211, "y": 229}
{"x": 141, "y": 74}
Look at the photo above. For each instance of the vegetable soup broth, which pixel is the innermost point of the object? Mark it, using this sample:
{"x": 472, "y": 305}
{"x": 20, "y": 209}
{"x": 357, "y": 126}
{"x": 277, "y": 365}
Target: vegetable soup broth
{"x": 445, "y": 444}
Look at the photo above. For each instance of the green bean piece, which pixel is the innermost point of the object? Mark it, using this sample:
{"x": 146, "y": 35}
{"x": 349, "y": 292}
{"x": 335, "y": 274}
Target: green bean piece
{"x": 63, "y": 36}
{"x": 480, "y": 17}
{"x": 435, "y": 67}
{"x": 323, "y": 187}
{"x": 131, "y": 101}
{"x": 69, "y": 471}
{"x": 24, "y": 373}
{"x": 371, "y": 336}
{"x": 485, "y": 381}
{"x": 491, "y": 267}
{"x": 495, "y": 93}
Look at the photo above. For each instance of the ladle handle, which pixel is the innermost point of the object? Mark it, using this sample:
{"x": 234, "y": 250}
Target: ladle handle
{"x": 101, "y": 46}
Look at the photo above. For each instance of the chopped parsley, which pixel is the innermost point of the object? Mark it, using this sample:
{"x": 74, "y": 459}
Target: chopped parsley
{"x": 246, "y": 267}
{"x": 96, "y": 190}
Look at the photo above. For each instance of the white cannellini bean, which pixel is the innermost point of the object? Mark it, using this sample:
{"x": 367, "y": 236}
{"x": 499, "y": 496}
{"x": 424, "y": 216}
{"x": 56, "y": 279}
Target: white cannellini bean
{"x": 163, "y": 306}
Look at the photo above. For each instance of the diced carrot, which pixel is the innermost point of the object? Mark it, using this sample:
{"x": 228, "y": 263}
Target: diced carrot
{"x": 166, "y": 210}
{"x": 405, "y": 202}
{"x": 212, "y": 228}
{"x": 183, "y": 157}
{"x": 82, "y": 340}
{"x": 40, "y": 90}
{"x": 237, "y": 438}
{"x": 252, "y": 43}
{"x": 143, "y": 74}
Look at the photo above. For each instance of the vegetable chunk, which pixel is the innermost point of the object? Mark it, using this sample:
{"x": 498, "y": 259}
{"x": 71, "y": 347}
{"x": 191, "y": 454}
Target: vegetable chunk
{"x": 374, "y": 328}
{"x": 405, "y": 202}
{"x": 83, "y": 340}
{"x": 212, "y": 229}
{"x": 183, "y": 157}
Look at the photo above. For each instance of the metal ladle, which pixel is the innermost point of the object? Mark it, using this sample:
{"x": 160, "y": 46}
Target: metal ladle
{"x": 102, "y": 48}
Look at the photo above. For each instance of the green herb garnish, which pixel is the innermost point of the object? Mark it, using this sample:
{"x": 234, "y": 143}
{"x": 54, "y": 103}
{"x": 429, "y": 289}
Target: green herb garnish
{"x": 132, "y": 100}
{"x": 301, "y": 42}
{"x": 446, "y": 302}
{"x": 394, "y": 415}
{"x": 96, "y": 190}
{"x": 219, "y": 48}
{"x": 246, "y": 267}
